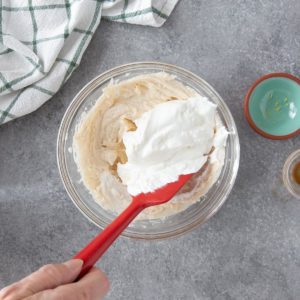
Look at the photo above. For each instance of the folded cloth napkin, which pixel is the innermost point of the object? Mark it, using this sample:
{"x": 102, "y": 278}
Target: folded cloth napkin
{"x": 42, "y": 42}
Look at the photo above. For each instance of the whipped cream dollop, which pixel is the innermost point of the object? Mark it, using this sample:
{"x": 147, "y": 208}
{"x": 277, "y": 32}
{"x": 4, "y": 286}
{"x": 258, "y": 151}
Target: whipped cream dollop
{"x": 174, "y": 138}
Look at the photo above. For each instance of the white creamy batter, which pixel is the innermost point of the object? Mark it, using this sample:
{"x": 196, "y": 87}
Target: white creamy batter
{"x": 172, "y": 139}
{"x": 143, "y": 133}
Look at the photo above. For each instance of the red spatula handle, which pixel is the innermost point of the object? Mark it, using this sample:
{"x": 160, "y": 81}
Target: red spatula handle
{"x": 96, "y": 248}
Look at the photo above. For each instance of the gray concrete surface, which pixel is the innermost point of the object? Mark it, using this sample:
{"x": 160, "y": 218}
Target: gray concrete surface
{"x": 250, "y": 249}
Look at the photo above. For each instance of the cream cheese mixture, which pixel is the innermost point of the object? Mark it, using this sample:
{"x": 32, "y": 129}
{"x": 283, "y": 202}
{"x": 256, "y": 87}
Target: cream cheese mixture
{"x": 143, "y": 133}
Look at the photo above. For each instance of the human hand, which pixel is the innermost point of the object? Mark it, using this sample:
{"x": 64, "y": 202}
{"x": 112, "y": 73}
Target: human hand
{"x": 55, "y": 282}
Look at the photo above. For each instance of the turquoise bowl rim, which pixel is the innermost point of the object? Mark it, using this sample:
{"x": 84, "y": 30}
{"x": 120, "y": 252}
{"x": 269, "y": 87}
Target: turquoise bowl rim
{"x": 247, "y": 102}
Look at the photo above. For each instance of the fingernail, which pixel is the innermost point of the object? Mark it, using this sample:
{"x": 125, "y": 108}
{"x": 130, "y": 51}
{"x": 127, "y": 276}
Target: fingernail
{"x": 74, "y": 264}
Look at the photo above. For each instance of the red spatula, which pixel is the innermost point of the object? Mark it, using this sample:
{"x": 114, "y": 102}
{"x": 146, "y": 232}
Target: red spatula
{"x": 95, "y": 249}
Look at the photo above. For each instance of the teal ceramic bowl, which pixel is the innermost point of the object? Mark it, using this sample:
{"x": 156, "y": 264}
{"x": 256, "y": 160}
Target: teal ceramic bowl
{"x": 272, "y": 106}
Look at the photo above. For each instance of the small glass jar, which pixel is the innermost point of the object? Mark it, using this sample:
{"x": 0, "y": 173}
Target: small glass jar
{"x": 287, "y": 173}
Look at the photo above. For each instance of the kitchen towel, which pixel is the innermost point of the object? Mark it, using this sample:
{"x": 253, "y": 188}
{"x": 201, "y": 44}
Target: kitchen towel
{"x": 42, "y": 42}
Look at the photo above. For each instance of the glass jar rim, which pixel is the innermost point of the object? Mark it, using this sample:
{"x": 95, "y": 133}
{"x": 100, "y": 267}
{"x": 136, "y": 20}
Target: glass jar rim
{"x": 292, "y": 158}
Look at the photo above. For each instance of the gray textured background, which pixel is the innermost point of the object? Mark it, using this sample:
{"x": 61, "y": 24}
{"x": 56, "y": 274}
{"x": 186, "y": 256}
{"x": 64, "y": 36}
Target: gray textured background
{"x": 250, "y": 249}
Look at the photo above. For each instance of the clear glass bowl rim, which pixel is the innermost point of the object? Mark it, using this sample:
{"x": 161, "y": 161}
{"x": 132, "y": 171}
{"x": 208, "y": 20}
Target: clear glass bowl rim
{"x": 89, "y": 88}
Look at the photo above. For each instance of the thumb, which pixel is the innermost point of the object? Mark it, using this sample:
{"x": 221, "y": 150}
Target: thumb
{"x": 47, "y": 277}
{"x": 53, "y": 275}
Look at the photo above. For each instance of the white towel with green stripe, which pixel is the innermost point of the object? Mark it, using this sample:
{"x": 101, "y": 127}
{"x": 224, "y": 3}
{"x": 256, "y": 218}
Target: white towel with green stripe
{"x": 42, "y": 42}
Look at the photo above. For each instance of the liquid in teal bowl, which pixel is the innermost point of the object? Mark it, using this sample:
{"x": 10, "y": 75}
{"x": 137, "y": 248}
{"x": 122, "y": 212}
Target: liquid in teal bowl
{"x": 274, "y": 106}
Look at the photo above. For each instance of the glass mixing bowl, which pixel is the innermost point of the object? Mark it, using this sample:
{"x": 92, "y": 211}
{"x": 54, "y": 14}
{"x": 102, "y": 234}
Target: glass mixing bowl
{"x": 171, "y": 226}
